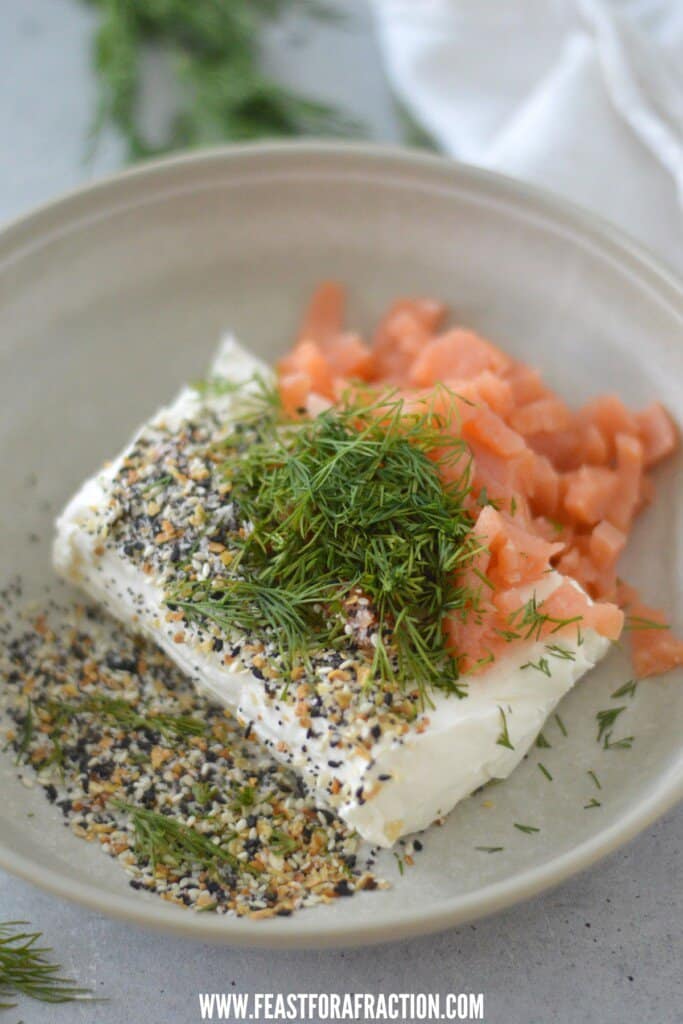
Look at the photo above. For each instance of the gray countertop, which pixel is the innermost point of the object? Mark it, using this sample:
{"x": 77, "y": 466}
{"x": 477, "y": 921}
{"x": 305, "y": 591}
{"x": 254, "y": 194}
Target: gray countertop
{"x": 605, "y": 947}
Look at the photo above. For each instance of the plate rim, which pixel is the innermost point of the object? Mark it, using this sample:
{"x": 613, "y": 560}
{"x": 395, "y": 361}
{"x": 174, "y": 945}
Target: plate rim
{"x": 23, "y": 234}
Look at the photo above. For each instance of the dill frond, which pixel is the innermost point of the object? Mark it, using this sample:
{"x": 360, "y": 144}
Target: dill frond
{"x": 25, "y": 969}
{"x": 161, "y": 839}
{"x": 353, "y": 501}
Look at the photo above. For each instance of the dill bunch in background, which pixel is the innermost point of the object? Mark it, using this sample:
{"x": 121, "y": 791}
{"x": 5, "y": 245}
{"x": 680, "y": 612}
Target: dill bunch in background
{"x": 213, "y": 49}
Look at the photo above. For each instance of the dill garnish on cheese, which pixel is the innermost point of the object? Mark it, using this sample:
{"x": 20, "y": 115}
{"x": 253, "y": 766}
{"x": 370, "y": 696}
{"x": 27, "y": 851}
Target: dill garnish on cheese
{"x": 348, "y": 534}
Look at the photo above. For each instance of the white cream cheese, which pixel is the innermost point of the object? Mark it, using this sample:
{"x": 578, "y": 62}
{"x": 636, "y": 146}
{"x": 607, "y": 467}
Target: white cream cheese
{"x": 405, "y": 781}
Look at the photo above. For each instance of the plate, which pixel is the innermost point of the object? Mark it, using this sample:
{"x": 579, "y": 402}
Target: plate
{"x": 114, "y": 295}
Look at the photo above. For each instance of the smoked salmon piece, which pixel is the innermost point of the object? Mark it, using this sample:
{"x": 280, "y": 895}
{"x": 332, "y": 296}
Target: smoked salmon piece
{"x": 402, "y": 334}
{"x": 544, "y": 487}
{"x": 526, "y": 383}
{"x": 657, "y": 433}
{"x": 568, "y": 602}
{"x": 655, "y": 651}
{"x": 544, "y": 416}
{"x": 654, "y": 647}
{"x": 589, "y": 494}
{"x": 457, "y": 354}
{"x": 606, "y": 544}
{"x": 307, "y": 358}
{"x": 323, "y": 319}
{"x": 609, "y": 414}
{"x": 489, "y": 430}
{"x": 295, "y": 388}
{"x": 349, "y": 356}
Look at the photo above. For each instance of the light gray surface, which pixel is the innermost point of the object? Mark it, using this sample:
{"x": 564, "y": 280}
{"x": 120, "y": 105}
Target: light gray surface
{"x": 536, "y": 962}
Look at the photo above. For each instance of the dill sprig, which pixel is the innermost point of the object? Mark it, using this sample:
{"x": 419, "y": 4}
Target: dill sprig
{"x": 531, "y": 621}
{"x": 635, "y": 623}
{"x": 606, "y": 720}
{"x": 542, "y": 665}
{"x": 281, "y": 843}
{"x": 624, "y": 743}
{"x": 212, "y": 49}
{"x": 561, "y": 726}
{"x": 504, "y": 737}
{"x": 627, "y": 690}
{"x": 560, "y": 652}
{"x": 350, "y": 503}
{"x": 26, "y": 970}
{"x": 161, "y": 839}
{"x": 123, "y": 713}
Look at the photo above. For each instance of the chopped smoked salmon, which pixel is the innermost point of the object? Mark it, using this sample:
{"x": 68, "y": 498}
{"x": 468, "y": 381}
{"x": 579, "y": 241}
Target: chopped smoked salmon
{"x": 551, "y": 488}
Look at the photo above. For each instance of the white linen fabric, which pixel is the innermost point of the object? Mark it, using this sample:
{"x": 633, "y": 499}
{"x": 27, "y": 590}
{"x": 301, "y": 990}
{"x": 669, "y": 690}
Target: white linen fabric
{"x": 584, "y": 97}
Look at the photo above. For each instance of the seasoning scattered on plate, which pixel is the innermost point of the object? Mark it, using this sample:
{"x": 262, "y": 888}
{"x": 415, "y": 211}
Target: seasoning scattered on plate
{"x": 165, "y": 781}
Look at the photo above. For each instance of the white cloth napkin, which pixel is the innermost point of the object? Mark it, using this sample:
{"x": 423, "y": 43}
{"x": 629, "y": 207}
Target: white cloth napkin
{"x": 584, "y": 97}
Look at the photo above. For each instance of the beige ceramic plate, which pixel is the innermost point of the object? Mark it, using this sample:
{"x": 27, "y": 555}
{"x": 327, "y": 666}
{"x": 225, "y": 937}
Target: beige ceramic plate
{"x": 112, "y": 297}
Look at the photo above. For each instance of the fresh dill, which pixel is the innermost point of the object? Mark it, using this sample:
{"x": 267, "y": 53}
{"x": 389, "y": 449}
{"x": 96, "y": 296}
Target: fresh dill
{"x": 212, "y": 50}
{"x": 155, "y": 485}
{"x": 509, "y": 635}
{"x": 542, "y": 768}
{"x": 638, "y": 622}
{"x": 484, "y": 579}
{"x": 123, "y": 713}
{"x": 401, "y": 865}
{"x": 26, "y": 970}
{"x": 606, "y": 720}
{"x": 489, "y": 849}
{"x": 595, "y": 779}
{"x": 627, "y": 690}
{"x": 161, "y": 839}
{"x": 592, "y": 803}
{"x": 504, "y": 738}
{"x": 528, "y": 829}
{"x": 625, "y": 743}
{"x": 245, "y": 797}
{"x": 204, "y": 793}
{"x": 483, "y": 499}
{"x": 282, "y": 844}
{"x": 561, "y": 726}
{"x": 351, "y": 503}
{"x": 563, "y": 653}
{"x": 541, "y": 741}
{"x": 531, "y": 621}
{"x": 542, "y": 665}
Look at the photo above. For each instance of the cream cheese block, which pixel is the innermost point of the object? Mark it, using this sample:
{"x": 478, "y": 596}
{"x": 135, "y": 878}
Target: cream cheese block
{"x": 387, "y": 765}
